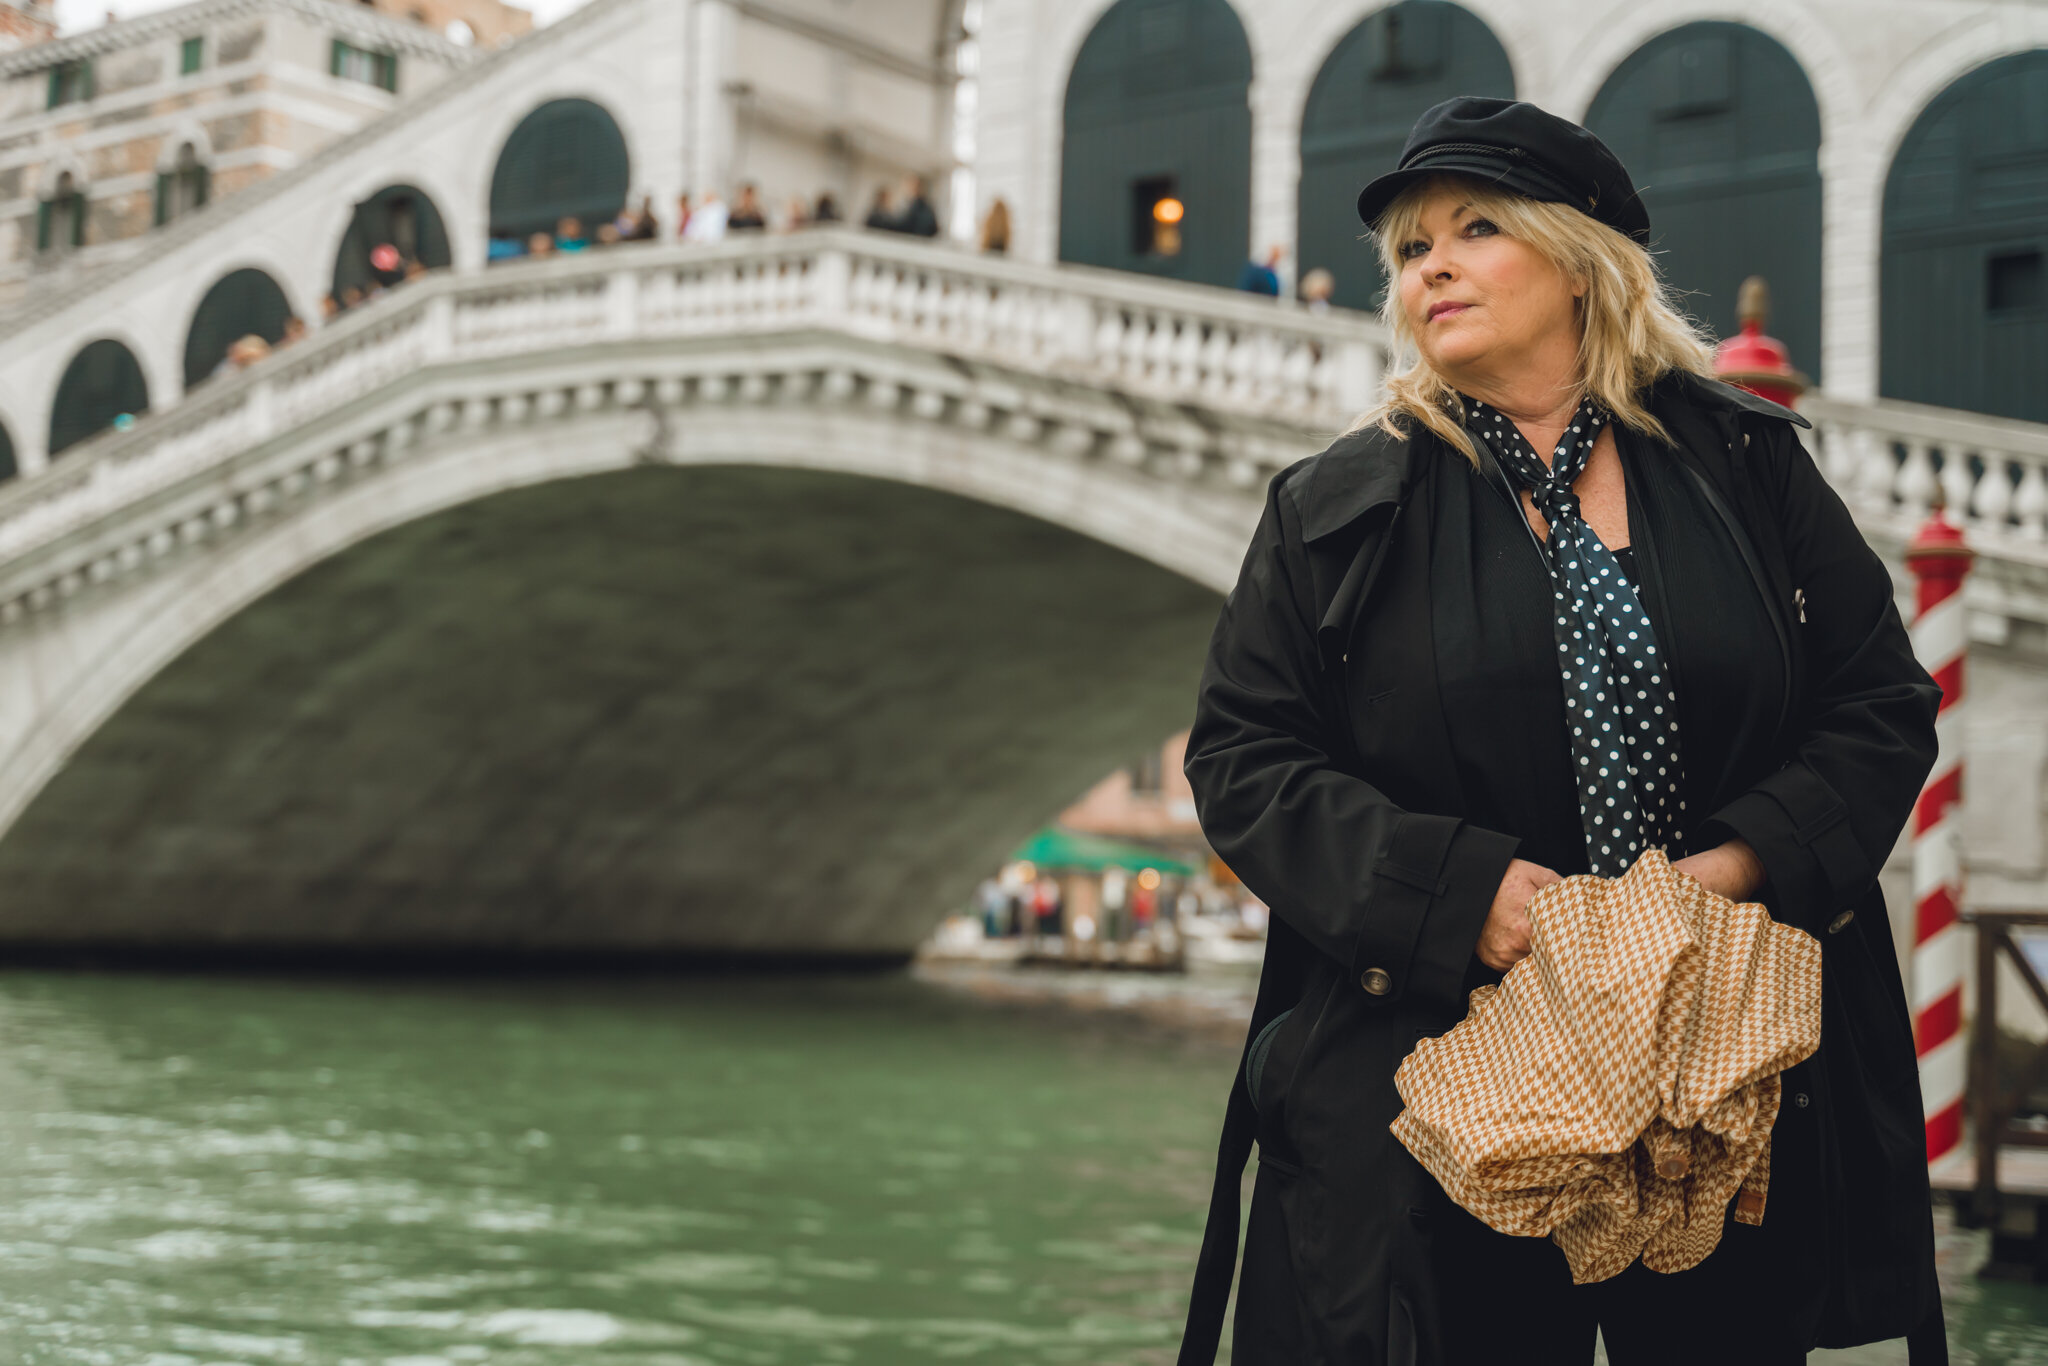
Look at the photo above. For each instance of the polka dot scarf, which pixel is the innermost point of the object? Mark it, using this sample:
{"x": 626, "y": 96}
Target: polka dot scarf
{"x": 1623, "y": 717}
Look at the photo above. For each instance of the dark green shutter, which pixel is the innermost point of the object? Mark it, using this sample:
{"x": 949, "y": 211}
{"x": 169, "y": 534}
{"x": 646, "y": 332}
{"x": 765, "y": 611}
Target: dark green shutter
{"x": 240, "y": 303}
{"x": 565, "y": 159}
{"x": 77, "y": 220}
{"x": 163, "y": 198}
{"x": 1376, "y": 81}
{"x": 389, "y": 70}
{"x": 56, "y": 86}
{"x": 1963, "y": 314}
{"x": 336, "y": 56}
{"x": 1720, "y": 131}
{"x": 86, "y": 88}
{"x": 202, "y": 185}
{"x": 102, "y": 382}
{"x": 191, "y": 54}
{"x": 43, "y": 225}
{"x": 1157, "y": 106}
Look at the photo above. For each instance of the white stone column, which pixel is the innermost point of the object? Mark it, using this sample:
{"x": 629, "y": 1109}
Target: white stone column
{"x": 713, "y": 25}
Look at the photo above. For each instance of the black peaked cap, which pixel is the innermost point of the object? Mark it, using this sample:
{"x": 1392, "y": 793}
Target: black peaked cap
{"x": 1519, "y": 147}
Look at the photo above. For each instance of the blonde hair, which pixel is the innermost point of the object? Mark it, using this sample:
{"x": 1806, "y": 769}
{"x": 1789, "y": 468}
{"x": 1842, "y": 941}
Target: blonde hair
{"x": 1631, "y": 331}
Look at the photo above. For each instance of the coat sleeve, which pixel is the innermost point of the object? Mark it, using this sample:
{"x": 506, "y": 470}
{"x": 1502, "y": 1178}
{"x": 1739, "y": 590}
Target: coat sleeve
{"x": 1825, "y": 822}
{"x": 1367, "y": 883}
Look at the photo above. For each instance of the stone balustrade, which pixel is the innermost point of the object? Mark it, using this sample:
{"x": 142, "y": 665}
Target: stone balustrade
{"x": 1241, "y": 357}
{"x": 1892, "y": 462}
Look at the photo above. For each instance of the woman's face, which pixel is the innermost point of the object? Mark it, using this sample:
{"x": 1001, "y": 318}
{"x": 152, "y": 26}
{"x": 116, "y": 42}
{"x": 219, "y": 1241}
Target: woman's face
{"x": 1478, "y": 302}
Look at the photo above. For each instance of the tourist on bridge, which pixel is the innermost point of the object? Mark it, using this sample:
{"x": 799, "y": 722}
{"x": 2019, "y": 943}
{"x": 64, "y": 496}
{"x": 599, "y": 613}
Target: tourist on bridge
{"x": 707, "y": 222}
{"x": 1263, "y": 276}
{"x": 747, "y": 214}
{"x": 918, "y": 218}
{"x": 1561, "y": 599}
{"x": 995, "y": 228}
{"x": 881, "y": 210}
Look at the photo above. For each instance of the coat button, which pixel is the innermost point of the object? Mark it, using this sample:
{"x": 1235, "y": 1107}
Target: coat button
{"x": 1376, "y": 981}
{"x": 1800, "y": 1100}
{"x": 1841, "y": 922}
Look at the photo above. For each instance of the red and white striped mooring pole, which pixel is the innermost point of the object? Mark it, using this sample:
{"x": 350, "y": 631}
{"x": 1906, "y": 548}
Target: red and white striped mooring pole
{"x": 1939, "y": 561}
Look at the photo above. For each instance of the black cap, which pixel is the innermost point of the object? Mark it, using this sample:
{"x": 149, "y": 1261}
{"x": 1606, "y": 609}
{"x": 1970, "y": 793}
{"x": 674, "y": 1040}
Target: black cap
{"x": 1521, "y": 148}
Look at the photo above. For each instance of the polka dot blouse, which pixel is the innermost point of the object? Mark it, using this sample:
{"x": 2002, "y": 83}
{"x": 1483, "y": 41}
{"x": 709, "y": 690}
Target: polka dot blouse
{"x": 1618, "y": 698}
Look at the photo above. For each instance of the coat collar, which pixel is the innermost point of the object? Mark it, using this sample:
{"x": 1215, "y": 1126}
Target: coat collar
{"x": 1366, "y": 468}
{"x": 1713, "y": 395}
{"x": 1360, "y": 471}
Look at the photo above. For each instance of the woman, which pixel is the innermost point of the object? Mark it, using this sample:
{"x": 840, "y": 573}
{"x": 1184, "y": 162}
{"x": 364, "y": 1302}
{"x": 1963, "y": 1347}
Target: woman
{"x": 1556, "y": 529}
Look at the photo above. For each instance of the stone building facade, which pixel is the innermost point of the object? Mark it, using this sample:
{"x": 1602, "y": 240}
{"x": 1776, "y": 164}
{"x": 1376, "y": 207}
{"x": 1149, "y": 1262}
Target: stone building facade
{"x": 26, "y": 24}
{"x": 108, "y": 134}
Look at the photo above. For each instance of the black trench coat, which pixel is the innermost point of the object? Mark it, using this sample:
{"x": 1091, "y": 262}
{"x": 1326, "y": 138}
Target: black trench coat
{"x": 1323, "y": 777}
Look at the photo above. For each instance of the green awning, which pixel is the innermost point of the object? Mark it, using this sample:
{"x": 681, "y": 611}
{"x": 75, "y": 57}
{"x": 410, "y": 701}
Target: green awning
{"x": 1055, "y": 847}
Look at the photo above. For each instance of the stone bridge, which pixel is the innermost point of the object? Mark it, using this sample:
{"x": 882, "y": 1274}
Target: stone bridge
{"x": 743, "y": 598}
{"x": 749, "y": 599}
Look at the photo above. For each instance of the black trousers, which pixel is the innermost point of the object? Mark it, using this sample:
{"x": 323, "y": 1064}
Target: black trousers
{"x": 1512, "y": 1300}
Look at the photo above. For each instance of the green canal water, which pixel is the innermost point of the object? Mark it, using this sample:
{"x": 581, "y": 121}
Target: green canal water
{"x": 663, "y": 1172}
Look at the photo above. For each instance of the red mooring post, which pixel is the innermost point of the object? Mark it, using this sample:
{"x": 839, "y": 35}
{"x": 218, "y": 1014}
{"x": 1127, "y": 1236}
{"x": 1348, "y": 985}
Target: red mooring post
{"x": 1939, "y": 561}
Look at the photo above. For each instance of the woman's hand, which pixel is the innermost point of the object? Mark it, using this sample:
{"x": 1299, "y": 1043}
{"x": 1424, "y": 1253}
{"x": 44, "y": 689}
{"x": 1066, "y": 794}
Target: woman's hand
{"x": 1732, "y": 870}
{"x": 1504, "y": 938}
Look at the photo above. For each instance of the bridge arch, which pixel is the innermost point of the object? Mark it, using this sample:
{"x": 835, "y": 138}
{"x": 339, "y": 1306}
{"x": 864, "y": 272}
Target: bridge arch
{"x": 1721, "y": 131}
{"x": 1964, "y": 262}
{"x": 567, "y": 157}
{"x": 103, "y": 381}
{"x": 400, "y": 215}
{"x": 826, "y": 524}
{"x": 1157, "y": 111}
{"x": 1376, "y": 81}
{"x": 240, "y": 303}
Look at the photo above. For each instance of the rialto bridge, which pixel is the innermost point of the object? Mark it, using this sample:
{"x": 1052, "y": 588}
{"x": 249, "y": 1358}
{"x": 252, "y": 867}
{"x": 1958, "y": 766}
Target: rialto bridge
{"x": 749, "y": 598}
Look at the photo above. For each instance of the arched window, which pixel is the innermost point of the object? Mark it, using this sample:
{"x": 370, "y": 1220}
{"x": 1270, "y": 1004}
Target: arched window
{"x": 240, "y": 303}
{"x": 60, "y": 219}
{"x": 1720, "y": 131}
{"x": 400, "y": 217}
{"x": 567, "y": 159}
{"x": 1964, "y": 314}
{"x": 1156, "y": 163}
{"x": 1372, "y": 87}
{"x": 184, "y": 187}
{"x": 102, "y": 383}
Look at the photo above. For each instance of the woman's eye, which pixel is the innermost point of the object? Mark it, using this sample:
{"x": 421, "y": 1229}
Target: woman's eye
{"x": 1480, "y": 227}
{"x": 1411, "y": 250}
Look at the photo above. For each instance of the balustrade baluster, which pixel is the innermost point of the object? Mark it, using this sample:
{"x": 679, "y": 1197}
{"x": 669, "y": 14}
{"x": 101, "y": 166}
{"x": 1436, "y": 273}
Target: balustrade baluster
{"x": 1916, "y": 484}
{"x": 2030, "y": 499}
{"x": 1957, "y": 483}
{"x": 1991, "y": 500}
{"x": 1295, "y": 371}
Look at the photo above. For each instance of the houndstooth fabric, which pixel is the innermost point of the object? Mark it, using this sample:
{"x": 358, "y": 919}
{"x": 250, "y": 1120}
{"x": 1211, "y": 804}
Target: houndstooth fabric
{"x": 1617, "y": 1089}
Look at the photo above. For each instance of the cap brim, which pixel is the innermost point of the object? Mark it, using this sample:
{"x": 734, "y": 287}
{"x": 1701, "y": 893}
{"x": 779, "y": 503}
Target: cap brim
{"x": 1374, "y": 198}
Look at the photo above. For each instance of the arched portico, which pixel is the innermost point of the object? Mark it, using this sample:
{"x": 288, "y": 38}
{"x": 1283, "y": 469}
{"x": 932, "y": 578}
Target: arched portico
{"x": 245, "y": 302}
{"x": 401, "y": 217}
{"x": 1378, "y": 79}
{"x": 1964, "y": 319}
{"x": 1155, "y": 169}
{"x": 103, "y": 382}
{"x": 566, "y": 159}
{"x": 1721, "y": 132}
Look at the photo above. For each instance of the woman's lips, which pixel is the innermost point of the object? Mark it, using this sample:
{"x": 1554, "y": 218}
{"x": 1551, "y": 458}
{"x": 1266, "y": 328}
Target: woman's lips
{"x": 1444, "y": 310}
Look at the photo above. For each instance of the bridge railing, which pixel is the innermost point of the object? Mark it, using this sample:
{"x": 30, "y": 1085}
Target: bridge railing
{"x": 1892, "y": 461}
{"x": 1179, "y": 345}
